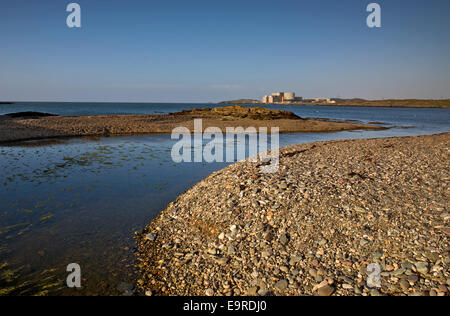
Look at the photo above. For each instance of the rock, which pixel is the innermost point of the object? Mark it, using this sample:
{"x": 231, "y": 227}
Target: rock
{"x": 212, "y": 251}
{"x": 295, "y": 260}
{"x": 389, "y": 268}
{"x": 407, "y": 265}
{"x": 263, "y": 291}
{"x": 231, "y": 250}
{"x": 422, "y": 267}
{"x": 377, "y": 255}
{"x": 412, "y": 279}
{"x": 404, "y": 285}
{"x": 398, "y": 272}
{"x": 284, "y": 239}
{"x": 325, "y": 290}
{"x": 322, "y": 242}
{"x": 209, "y": 292}
{"x": 150, "y": 237}
{"x": 363, "y": 242}
{"x": 222, "y": 261}
{"x": 148, "y": 293}
{"x": 281, "y": 285}
{"x": 252, "y": 291}
{"x": 432, "y": 256}
{"x": 442, "y": 288}
{"x": 375, "y": 292}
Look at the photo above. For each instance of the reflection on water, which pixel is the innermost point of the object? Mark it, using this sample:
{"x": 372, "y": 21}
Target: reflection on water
{"x": 81, "y": 200}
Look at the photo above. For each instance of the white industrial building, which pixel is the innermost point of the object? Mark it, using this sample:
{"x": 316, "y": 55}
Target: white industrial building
{"x": 281, "y": 97}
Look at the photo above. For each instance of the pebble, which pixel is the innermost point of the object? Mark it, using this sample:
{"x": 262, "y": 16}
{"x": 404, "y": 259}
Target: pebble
{"x": 413, "y": 279}
{"x": 252, "y": 291}
{"x": 375, "y": 292}
{"x": 263, "y": 292}
{"x": 150, "y": 237}
{"x": 422, "y": 267}
{"x": 231, "y": 250}
{"x": 284, "y": 239}
{"x": 325, "y": 290}
{"x": 404, "y": 285}
{"x": 281, "y": 285}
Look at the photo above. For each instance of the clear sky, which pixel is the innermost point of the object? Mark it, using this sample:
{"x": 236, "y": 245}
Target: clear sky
{"x": 209, "y": 51}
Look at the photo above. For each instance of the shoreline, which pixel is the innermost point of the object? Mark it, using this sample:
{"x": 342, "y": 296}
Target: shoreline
{"x": 333, "y": 208}
{"x": 389, "y": 103}
{"x": 15, "y": 129}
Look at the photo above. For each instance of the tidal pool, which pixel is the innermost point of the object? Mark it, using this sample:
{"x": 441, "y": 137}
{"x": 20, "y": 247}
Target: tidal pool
{"x": 80, "y": 201}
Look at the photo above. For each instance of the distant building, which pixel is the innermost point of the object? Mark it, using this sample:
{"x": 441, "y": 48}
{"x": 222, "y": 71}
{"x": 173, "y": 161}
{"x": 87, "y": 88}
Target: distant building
{"x": 289, "y": 97}
{"x": 281, "y": 97}
{"x": 321, "y": 100}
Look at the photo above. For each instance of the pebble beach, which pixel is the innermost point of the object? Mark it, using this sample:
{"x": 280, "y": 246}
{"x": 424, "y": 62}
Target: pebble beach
{"x": 312, "y": 228}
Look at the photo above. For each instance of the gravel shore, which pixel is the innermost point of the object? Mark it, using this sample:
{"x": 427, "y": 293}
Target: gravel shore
{"x": 333, "y": 208}
{"x": 14, "y": 128}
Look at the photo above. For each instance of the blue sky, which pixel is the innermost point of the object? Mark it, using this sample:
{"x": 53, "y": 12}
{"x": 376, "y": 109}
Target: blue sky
{"x": 208, "y": 51}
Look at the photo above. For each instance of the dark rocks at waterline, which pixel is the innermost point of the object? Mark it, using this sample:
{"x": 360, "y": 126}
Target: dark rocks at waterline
{"x": 29, "y": 115}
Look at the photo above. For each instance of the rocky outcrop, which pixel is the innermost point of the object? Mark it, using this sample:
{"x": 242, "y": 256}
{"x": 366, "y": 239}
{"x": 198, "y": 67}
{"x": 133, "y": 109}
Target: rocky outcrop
{"x": 240, "y": 112}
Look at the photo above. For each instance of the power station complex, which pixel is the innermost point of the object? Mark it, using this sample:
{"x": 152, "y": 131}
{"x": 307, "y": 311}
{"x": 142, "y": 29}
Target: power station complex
{"x": 289, "y": 97}
{"x": 281, "y": 97}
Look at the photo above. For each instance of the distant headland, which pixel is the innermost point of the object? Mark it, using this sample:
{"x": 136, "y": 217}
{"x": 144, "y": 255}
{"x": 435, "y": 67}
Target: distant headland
{"x": 241, "y": 101}
{"x": 289, "y": 98}
{"x": 6, "y": 102}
